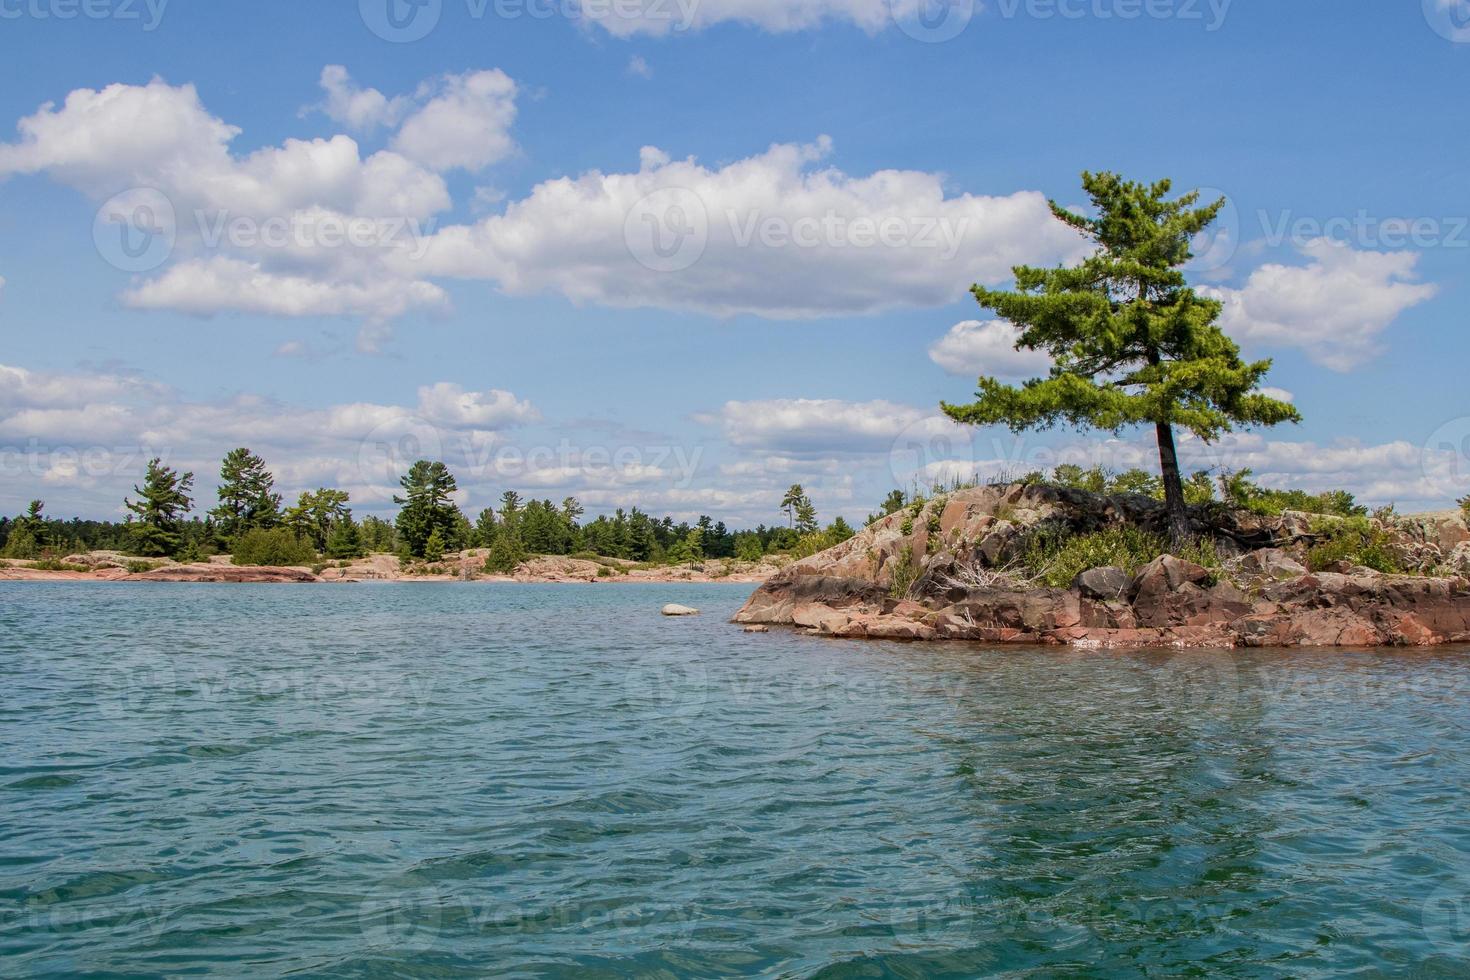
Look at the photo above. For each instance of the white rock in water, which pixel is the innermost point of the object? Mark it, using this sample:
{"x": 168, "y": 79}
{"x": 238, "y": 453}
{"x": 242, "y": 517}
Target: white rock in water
{"x": 674, "y": 609}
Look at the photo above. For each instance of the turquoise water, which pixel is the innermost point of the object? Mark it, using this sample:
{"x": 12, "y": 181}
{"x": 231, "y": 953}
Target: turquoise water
{"x": 455, "y": 780}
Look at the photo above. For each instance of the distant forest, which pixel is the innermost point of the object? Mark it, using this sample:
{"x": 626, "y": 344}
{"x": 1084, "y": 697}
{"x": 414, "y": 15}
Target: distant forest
{"x": 251, "y": 522}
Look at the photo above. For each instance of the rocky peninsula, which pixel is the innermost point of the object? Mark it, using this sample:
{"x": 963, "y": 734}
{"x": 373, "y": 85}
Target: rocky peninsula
{"x": 955, "y": 568}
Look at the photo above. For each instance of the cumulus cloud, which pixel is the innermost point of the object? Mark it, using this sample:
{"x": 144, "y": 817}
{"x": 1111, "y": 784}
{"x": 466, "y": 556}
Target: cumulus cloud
{"x": 216, "y": 284}
{"x": 988, "y": 347}
{"x": 773, "y": 234}
{"x": 467, "y": 124}
{"x": 820, "y": 426}
{"x": 662, "y": 17}
{"x": 1335, "y": 307}
{"x": 81, "y": 430}
{"x": 307, "y": 228}
{"x": 360, "y": 109}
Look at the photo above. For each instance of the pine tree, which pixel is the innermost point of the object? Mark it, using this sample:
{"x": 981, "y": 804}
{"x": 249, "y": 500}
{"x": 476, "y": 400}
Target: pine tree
{"x": 246, "y": 497}
{"x": 1131, "y": 343}
{"x": 806, "y": 516}
{"x": 345, "y": 541}
{"x": 788, "y": 503}
{"x": 163, "y": 502}
{"x": 427, "y": 506}
{"x": 434, "y": 547}
{"x": 506, "y": 554}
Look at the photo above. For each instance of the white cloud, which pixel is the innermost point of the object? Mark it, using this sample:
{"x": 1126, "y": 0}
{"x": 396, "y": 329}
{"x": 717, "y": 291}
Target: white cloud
{"x": 817, "y": 426}
{"x": 218, "y": 284}
{"x": 988, "y": 347}
{"x": 638, "y": 65}
{"x": 773, "y": 235}
{"x": 1335, "y": 308}
{"x": 360, "y": 109}
{"x": 1280, "y": 394}
{"x": 661, "y": 17}
{"x": 307, "y": 228}
{"x": 83, "y": 432}
{"x": 467, "y": 124}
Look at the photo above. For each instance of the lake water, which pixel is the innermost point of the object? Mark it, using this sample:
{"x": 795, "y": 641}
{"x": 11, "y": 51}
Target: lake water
{"x": 454, "y": 780}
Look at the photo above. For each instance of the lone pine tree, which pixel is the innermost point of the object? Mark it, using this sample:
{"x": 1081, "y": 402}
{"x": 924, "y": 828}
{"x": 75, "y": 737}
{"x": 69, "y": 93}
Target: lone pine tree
{"x": 1131, "y": 343}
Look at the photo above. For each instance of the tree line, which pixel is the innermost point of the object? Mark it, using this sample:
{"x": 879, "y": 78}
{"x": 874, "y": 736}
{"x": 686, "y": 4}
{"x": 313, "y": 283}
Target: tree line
{"x": 253, "y": 524}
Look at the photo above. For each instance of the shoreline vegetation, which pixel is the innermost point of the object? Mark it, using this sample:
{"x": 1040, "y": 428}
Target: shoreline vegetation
{"x": 1085, "y": 557}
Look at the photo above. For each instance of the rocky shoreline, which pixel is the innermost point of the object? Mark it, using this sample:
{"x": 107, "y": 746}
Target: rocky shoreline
{"x": 467, "y": 566}
{"x": 946, "y": 571}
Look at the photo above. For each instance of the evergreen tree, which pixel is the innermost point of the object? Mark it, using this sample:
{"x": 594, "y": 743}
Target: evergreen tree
{"x": 485, "y": 528}
{"x": 345, "y": 541}
{"x": 839, "y": 531}
{"x": 246, "y": 497}
{"x": 434, "y": 547}
{"x": 506, "y": 554}
{"x": 163, "y": 502}
{"x": 427, "y": 506}
{"x": 806, "y": 516}
{"x": 1130, "y": 342}
{"x": 316, "y": 513}
{"x": 793, "y": 497}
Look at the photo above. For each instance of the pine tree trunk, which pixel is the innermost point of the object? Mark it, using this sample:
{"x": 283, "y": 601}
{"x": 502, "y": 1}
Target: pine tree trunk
{"x": 1173, "y": 486}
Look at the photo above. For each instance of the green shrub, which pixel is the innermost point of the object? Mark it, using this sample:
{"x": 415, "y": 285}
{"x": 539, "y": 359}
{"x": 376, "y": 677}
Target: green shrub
{"x": 139, "y": 567}
{"x": 54, "y": 565}
{"x": 1055, "y": 556}
{"x": 21, "y": 544}
{"x": 1354, "y": 540}
{"x": 276, "y": 546}
{"x": 1241, "y": 492}
{"x": 604, "y": 572}
{"x": 907, "y": 526}
{"x": 506, "y": 554}
{"x": 904, "y": 574}
{"x": 1464, "y": 503}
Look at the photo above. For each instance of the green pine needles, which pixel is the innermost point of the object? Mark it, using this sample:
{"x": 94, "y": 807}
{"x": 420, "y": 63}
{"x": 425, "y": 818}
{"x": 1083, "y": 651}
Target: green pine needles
{"x": 1131, "y": 343}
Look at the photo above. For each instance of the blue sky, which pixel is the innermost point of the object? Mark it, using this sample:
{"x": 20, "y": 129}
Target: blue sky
{"x": 503, "y": 155}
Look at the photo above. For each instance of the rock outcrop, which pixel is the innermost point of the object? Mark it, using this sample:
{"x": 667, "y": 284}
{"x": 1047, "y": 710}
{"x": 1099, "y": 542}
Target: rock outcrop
{"x": 218, "y": 572}
{"x": 945, "y": 571}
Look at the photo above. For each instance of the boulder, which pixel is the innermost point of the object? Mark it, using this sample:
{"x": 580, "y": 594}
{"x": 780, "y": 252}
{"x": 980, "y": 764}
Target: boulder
{"x": 1272, "y": 563}
{"x": 674, "y": 609}
{"x": 1102, "y": 583}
